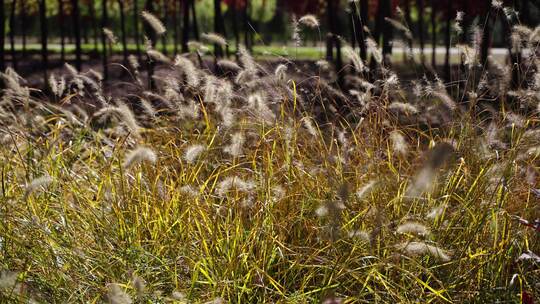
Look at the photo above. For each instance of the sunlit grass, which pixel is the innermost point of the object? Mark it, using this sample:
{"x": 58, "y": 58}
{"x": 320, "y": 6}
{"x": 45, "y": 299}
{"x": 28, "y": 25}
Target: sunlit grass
{"x": 98, "y": 223}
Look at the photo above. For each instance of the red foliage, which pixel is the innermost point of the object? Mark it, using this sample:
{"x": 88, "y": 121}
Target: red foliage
{"x": 302, "y": 7}
{"x": 240, "y": 4}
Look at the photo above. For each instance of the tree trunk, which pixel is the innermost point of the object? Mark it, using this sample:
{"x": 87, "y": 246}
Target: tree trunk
{"x": 433, "y": 35}
{"x": 410, "y": 25}
{"x": 123, "y": 30}
{"x": 164, "y": 36}
{"x": 136, "y": 27}
{"x": 85, "y": 30}
{"x": 379, "y": 23}
{"x": 247, "y": 27}
{"x": 354, "y": 21}
{"x": 24, "y": 19}
{"x": 235, "y": 24}
{"x": 151, "y": 34}
{"x": 333, "y": 38}
{"x": 387, "y": 30}
{"x": 218, "y": 27}
{"x": 104, "y": 51}
{"x": 408, "y": 17}
{"x": 175, "y": 26}
{"x": 525, "y": 12}
{"x": 95, "y": 30}
{"x": 12, "y": 34}
{"x": 77, "y": 30}
{"x": 364, "y": 7}
{"x": 44, "y": 34}
{"x": 421, "y": 30}
{"x": 185, "y": 27}
{"x": 2, "y": 37}
{"x": 448, "y": 41}
{"x": 61, "y": 17}
{"x": 195, "y": 22}
{"x": 486, "y": 37}
{"x": 329, "y": 36}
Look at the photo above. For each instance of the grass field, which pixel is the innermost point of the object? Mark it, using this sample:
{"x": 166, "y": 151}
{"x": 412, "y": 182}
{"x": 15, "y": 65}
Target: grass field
{"x": 263, "y": 187}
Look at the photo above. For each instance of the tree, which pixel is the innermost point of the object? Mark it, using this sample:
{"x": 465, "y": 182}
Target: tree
{"x": 44, "y": 36}
{"x": 233, "y": 6}
{"x": 104, "y": 23}
{"x": 333, "y": 39}
{"x": 195, "y": 23}
{"x": 175, "y": 25}
{"x": 121, "y": 8}
{"x": 247, "y": 27}
{"x": 2, "y": 36}
{"x": 364, "y": 7}
{"x": 355, "y": 24}
{"x": 219, "y": 27}
{"x": 408, "y": 19}
{"x": 152, "y": 35}
{"x": 136, "y": 27}
{"x": 77, "y": 31}
{"x": 486, "y": 38}
{"x": 433, "y": 34}
{"x": 24, "y": 19}
{"x": 164, "y": 36}
{"x": 185, "y": 27}
{"x": 12, "y": 33}
{"x": 61, "y": 17}
{"x": 382, "y": 31}
{"x": 94, "y": 24}
{"x": 448, "y": 40}
{"x": 420, "y": 4}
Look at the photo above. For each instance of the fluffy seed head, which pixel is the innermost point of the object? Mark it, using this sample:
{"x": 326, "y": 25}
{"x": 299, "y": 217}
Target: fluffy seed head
{"x": 497, "y": 4}
{"x": 401, "y": 107}
{"x": 188, "y": 69}
{"x": 363, "y": 191}
{"x": 529, "y": 255}
{"x": 234, "y": 182}
{"x": 399, "y": 144}
{"x": 360, "y": 234}
{"x": 214, "y": 39}
{"x": 246, "y": 59}
{"x": 158, "y": 56}
{"x": 412, "y": 228}
{"x": 281, "y": 72}
{"x": 309, "y": 125}
{"x": 236, "y": 146}
{"x": 228, "y": 65}
{"x": 154, "y": 23}
{"x": 323, "y": 64}
{"x": 309, "y": 21}
{"x": 374, "y": 49}
{"x": 193, "y": 152}
{"x": 111, "y": 38}
{"x": 139, "y": 285}
{"x": 436, "y": 212}
{"x": 426, "y": 177}
{"x": 296, "y": 33}
{"x": 116, "y": 295}
{"x": 421, "y": 248}
{"x": 139, "y": 155}
{"x": 8, "y": 279}
{"x": 354, "y": 58}
{"x": 133, "y": 62}
{"x": 37, "y": 183}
